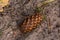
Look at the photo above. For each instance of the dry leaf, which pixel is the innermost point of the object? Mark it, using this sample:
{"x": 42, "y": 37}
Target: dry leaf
{"x": 2, "y": 4}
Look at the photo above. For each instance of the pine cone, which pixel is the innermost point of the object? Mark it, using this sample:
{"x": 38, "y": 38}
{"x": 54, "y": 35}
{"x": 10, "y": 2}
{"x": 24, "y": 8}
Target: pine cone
{"x": 30, "y": 23}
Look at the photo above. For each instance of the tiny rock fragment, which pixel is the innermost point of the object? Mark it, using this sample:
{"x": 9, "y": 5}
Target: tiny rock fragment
{"x": 1, "y": 10}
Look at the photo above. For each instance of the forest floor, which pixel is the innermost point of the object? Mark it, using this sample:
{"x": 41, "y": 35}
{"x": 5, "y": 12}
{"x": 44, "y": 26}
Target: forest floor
{"x": 49, "y": 29}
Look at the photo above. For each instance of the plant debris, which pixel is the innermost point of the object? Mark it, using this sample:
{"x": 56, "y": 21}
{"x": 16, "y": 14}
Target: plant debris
{"x": 31, "y": 23}
{"x": 3, "y": 3}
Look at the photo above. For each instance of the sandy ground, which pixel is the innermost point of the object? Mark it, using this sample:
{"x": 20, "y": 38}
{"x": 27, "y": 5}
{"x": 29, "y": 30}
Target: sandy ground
{"x": 48, "y": 30}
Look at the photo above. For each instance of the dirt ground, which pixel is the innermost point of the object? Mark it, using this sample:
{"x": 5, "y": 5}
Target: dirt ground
{"x": 17, "y": 10}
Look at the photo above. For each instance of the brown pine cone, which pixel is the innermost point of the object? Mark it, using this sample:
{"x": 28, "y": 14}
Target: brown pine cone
{"x": 30, "y": 23}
